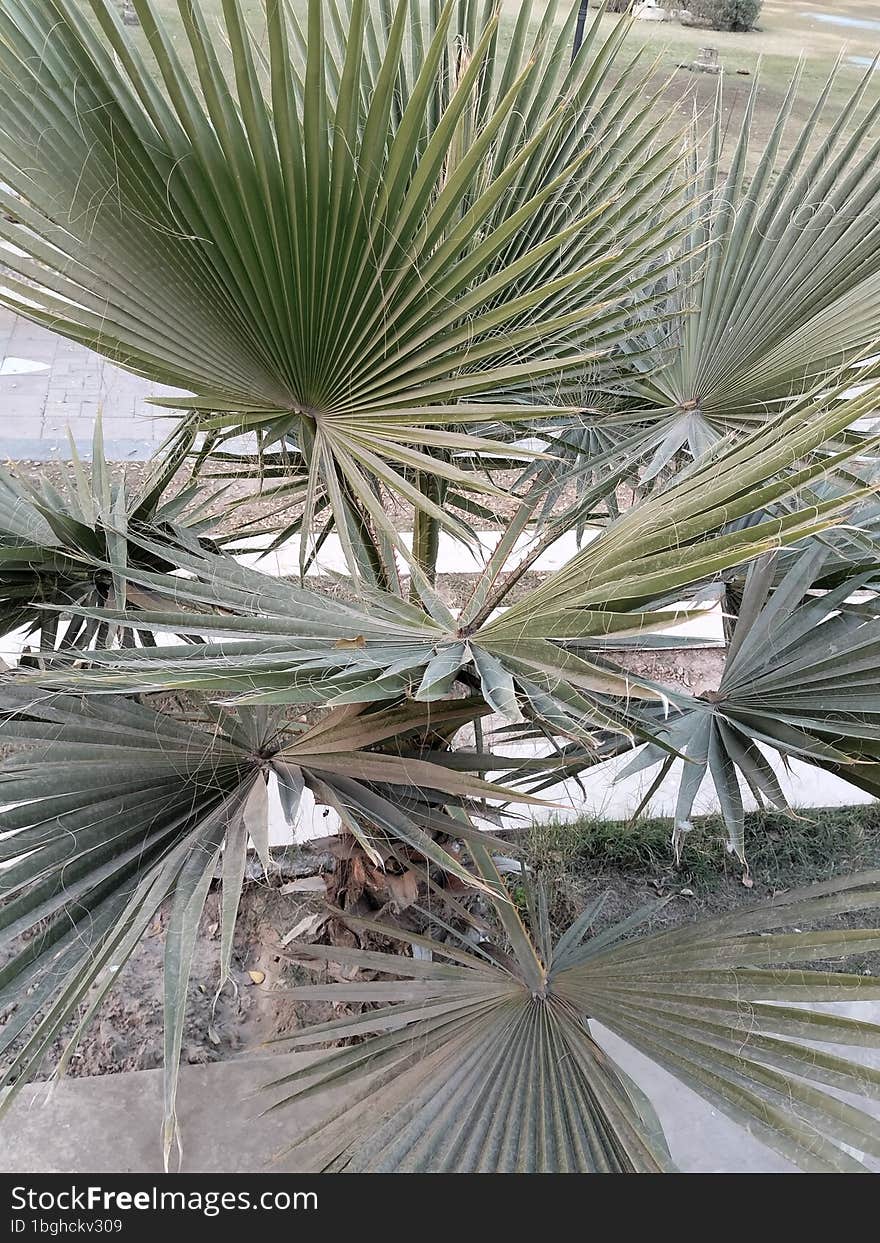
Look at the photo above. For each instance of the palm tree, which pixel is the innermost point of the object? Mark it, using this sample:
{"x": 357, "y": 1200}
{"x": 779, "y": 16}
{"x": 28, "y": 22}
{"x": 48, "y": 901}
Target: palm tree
{"x": 798, "y": 679}
{"x": 386, "y": 243}
{"x": 778, "y": 279}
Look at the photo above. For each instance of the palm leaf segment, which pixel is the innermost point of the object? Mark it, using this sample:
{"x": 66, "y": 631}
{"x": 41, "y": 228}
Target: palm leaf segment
{"x": 484, "y": 1060}
{"x": 112, "y": 809}
{"x": 851, "y": 549}
{"x": 800, "y": 678}
{"x": 376, "y": 231}
{"x": 779, "y": 278}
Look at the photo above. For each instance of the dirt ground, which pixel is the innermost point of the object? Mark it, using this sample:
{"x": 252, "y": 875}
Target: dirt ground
{"x": 633, "y": 868}
{"x": 128, "y": 1032}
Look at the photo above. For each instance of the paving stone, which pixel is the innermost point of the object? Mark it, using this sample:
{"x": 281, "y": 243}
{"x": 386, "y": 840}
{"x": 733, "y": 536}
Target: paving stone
{"x": 24, "y": 413}
{"x": 37, "y": 406}
{"x": 24, "y": 386}
{"x": 58, "y": 424}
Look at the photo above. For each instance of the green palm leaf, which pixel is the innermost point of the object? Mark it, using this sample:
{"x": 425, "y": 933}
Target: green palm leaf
{"x": 545, "y": 655}
{"x": 800, "y": 679}
{"x": 778, "y": 279}
{"x": 352, "y": 252}
{"x": 61, "y": 551}
{"x": 851, "y": 549}
{"x": 110, "y": 809}
{"x": 485, "y": 1060}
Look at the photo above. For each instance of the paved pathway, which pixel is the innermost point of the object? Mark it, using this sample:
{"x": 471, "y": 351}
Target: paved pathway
{"x": 48, "y": 385}
{"x": 111, "y": 1123}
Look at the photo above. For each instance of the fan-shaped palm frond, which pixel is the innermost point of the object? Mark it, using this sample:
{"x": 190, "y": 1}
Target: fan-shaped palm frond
{"x": 484, "y": 1059}
{"x": 779, "y": 278}
{"x": 851, "y": 549}
{"x": 270, "y": 642}
{"x": 359, "y": 251}
{"x": 110, "y": 809}
{"x": 800, "y": 678}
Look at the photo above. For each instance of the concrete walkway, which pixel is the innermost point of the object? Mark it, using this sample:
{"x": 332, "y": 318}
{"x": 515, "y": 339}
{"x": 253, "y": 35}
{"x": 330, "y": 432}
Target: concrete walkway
{"x": 48, "y": 385}
{"x": 111, "y": 1123}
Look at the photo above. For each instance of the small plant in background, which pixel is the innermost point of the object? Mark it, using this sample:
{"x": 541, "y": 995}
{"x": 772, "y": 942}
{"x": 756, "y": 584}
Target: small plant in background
{"x": 396, "y": 249}
{"x": 62, "y": 551}
{"x": 737, "y": 15}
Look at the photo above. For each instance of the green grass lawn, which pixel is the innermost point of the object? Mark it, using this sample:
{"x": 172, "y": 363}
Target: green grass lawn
{"x": 783, "y": 849}
{"x": 790, "y": 31}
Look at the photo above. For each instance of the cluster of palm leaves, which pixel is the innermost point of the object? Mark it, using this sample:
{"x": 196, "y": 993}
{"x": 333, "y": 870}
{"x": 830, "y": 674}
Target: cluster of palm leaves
{"x": 61, "y": 552}
{"x": 800, "y": 678}
{"x": 432, "y": 262}
{"x": 777, "y": 283}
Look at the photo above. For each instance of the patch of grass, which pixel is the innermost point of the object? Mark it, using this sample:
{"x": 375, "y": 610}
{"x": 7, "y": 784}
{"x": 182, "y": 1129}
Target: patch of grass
{"x": 630, "y": 867}
{"x": 818, "y": 842}
{"x": 618, "y": 846}
{"x": 782, "y": 849}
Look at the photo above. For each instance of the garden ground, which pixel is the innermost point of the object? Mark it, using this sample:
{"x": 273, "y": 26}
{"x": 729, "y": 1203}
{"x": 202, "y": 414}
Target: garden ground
{"x": 631, "y": 864}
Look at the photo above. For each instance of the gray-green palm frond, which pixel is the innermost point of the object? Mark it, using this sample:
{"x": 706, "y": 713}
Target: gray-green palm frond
{"x": 111, "y": 810}
{"x": 852, "y": 546}
{"x": 780, "y": 273}
{"x": 483, "y": 1059}
{"x": 714, "y": 517}
{"x": 851, "y": 549}
{"x": 800, "y": 679}
{"x": 545, "y": 655}
{"x": 359, "y": 242}
{"x": 65, "y": 550}
{"x": 267, "y": 641}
